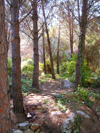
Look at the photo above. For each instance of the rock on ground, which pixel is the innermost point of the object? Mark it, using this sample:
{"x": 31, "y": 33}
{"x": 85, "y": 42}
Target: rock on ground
{"x": 24, "y": 126}
{"x": 34, "y": 126}
{"x": 28, "y": 131}
{"x": 65, "y": 83}
{"x": 72, "y": 124}
{"x": 17, "y": 131}
{"x": 83, "y": 114}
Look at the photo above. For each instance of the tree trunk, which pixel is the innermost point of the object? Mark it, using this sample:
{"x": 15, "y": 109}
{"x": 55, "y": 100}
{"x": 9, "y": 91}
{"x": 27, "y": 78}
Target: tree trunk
{"x": 70, "y": 30}
{"x": 35, "y": 41}
{"x": 49, "y": 44}
{"x": 44, "y": 51}
{"x": 81, "y": 46}
{"x": 16, "y": 60}
{"x": 5, "y": 121}
{"x": 58, "y": 50}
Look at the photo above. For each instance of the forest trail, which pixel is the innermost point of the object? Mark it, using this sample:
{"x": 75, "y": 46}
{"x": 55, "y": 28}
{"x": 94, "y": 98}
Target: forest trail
{"x": 47, "y": 110}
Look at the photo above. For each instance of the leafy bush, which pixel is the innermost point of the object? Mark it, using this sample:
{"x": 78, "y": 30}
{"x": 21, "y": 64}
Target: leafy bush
{"x": 27, "y": 66}
{"x": 67, "y": 70}
{"x": 86, "y": 74}
{"x": 9, "y": 66}
{"x": 29, "y": 62}
{"x": 96, "y": 83}
{"x": 82, "y": 93}
{"x": 48, "y": 66}
{"x": 92, "y": 54}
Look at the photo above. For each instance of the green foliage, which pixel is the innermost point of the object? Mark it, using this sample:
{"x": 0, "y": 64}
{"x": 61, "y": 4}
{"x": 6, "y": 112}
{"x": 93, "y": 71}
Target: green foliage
{"x": 96, "y": 83}
{"x": 86, "y": 74}
{"x": 45, "y": 101}
{"x": 67, "y": 70}
{"x": 9, "y": 66}
{"x": 48, "y": 66}
{"x": 41, "y": 68}
{"x": 29, "y": 62}
{"x": 59, "y": 95}
{"x": 26, "y": 84}
{"x": 10, "y": 81}
{"x": 60, "y": 104}
{"x": 95, "y": 96}
{"x": 35, "y": 90}
{"x": 45, "y": 76}
{"x": 82, "y": 93}
{"x": 92, "y": 55}
{"x": 27, "y": 66}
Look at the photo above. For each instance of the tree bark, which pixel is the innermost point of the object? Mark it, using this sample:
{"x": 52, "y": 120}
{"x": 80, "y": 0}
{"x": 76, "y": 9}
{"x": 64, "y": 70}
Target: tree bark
{"x": 70, "y": 29}
{"x": 81, "y": 46}
{"x": 16, "y": 59}
{"x": 58, "y": 50}
{"x": 5, "y": 121}
{"x": 35, "y": 41}
{"x": 44, "y": 51}
{"x": 49, "y": 44}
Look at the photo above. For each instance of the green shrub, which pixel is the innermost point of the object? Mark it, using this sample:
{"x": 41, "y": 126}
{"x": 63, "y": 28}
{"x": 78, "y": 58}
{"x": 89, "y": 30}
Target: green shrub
{"x": 92, "y": 54}
{"x": 48, "y": 66}
{"x": 67, "y": 70}
{"x": 96, "y": 83}
{"x": 82, "y": 93}
{"x": 27, "y": 66}
{"x": 9, "y": 66}
{"x": 86, "y": 74}
{"x": 29, "y": 62}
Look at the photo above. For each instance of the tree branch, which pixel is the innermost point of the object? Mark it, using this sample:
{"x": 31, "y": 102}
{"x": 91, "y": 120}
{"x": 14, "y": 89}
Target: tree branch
{"x": 21, "y": 2}
{"x": 8, "y": 20}
{"x": 26, "y": 34}
{"x": 29, "y": 28}
{"x": 25, "y": 16}
{"x": 8, "y": 2}
{"x": 11, "y": 40}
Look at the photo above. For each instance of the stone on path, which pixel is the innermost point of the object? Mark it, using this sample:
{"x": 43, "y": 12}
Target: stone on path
{"x": 17, "y": 131}
{"x": 34, "y": 126}
{"x": 28, "y": 131}
{"x": 53, "y": 113}
{"x": 65, "y": 83}
{"x": 72, "y": 124}
{"x": 83, "y": 114}
{"x": 24, "y": 126}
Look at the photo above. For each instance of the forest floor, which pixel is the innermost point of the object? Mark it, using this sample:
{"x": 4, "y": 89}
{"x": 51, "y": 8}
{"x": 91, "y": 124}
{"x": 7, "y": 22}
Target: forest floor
{"x": 51, "y": 106}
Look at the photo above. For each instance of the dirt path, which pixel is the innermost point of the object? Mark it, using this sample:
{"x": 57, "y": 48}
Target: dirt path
{"x": 46, "y": 112}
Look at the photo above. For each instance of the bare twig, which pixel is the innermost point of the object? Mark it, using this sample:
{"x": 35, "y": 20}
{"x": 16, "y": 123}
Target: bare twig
{"x": 25, "y": 16}
{"x": 26, "y": 34}
{"x": 8, "y": 2}
{"x": 8, "y": 20}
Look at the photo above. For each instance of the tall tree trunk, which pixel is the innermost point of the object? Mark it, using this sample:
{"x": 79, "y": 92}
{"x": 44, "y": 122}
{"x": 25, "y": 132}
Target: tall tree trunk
{"x": 70, "y": 29}
{"x": 49, "y": 44}
{"x": 58, "y": 50}
{"x": 81, "y": 46}
{"x": 44, "y": 51}
{"x": 5, "y": 122}
{"x": 16, "y": 59}
{"x": 35, "y": 41}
